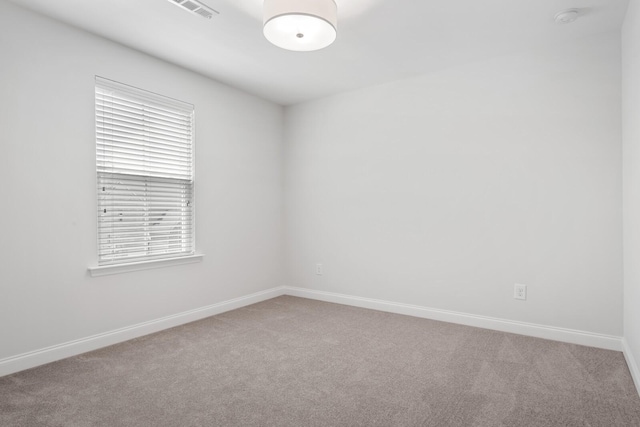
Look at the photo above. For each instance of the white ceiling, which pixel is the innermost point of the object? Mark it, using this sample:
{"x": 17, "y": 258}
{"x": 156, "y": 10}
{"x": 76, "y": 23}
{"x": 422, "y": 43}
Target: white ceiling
{"x": 378, "y": 40}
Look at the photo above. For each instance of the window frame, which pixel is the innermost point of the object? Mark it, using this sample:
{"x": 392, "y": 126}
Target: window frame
{"x": 143, "y": 179}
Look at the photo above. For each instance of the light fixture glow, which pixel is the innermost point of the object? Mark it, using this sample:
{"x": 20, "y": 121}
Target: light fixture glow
{"x": 300, "y": 25}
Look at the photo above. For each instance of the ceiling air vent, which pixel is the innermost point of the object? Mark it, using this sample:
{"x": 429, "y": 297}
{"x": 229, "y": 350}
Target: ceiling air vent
{"x": 194, "y": 6}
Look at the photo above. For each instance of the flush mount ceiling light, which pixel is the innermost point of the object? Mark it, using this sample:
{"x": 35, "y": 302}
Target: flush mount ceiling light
{"x": 300, "y": 25}
{"x": 566, "y": 16}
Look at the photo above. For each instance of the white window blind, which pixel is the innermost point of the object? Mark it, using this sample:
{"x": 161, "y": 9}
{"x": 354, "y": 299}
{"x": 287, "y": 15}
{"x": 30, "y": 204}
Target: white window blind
{"x": 144, "y": 146}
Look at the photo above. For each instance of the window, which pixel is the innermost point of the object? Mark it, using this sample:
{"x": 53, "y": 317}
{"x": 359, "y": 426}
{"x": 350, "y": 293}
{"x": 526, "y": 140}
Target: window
{"x": 144, "y": 153}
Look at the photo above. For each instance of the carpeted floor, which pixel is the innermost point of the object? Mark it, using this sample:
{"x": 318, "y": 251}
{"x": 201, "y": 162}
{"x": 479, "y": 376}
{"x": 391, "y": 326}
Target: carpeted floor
{"x": 297, "y": 362}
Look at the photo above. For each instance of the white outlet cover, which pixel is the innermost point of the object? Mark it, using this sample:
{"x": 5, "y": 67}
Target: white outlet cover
{"x": 520, "y": 291}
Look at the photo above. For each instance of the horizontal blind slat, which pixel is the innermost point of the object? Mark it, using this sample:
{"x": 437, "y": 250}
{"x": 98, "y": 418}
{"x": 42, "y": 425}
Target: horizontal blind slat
{"x": 137, "y": 146}
{"x": 116, "y": 189}
{"x": 138, "y": 123}
{"x": 137, "y": 241}
{"x": 109, "y": 113}
{"x": 113, "y": 98}
{"x": 115, "y": 220}
{"x": 139, "y": 158}
{"x": 156, "y": 203}
{"x": 144, "y": 173}
{"x": 139, "y": 246}
{"x": 130, "y": 135}
{"x": 135, "y": 149}
{"x": 129, "y": 233}
{"x": 113, "y": 181}
{"x": 143, "y": 163}
{"x": 129, "y": 94}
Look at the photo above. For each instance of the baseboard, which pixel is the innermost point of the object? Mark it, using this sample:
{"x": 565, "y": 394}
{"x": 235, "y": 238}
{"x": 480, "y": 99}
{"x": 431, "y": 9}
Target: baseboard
{"x": 32, "y": 359}
{"x": 529, "y": 329}
{"x": 51, "y": 354}
{"x": 631, "y": 362}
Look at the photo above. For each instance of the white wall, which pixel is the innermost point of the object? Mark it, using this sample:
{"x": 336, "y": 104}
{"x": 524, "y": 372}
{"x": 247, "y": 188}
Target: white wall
{"x": 631, "y": 182}
{"x": 445, "y": 189}
{"x": 48, "y": 196}
{"x": 441, "y": 191}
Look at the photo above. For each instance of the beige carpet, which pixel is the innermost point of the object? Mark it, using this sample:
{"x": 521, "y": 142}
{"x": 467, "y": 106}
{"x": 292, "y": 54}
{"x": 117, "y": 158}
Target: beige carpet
{"x": 297, "y": 362}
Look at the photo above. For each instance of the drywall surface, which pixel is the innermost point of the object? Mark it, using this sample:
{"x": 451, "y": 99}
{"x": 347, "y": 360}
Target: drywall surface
{"x": 631, "y": 178}
{"x": 47, "y": 167}
{"x": 446, "y": 189}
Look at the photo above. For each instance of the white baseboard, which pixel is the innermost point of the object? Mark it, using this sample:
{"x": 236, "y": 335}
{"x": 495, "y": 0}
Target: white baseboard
{"x": 529, "y": 329}
{"x": 51, "y": 354}
{"x": 35, "y": 358}
{"x": 631, "y": 362}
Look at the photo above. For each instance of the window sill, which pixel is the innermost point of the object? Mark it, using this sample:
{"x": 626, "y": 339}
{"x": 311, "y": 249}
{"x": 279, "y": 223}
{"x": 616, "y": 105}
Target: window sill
{"x": 105, "y": 270}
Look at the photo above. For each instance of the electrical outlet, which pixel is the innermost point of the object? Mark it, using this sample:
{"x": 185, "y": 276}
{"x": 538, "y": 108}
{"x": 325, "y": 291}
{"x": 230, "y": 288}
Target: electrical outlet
{"x": 319, "y": 269}
{"x": 520, "y": 291}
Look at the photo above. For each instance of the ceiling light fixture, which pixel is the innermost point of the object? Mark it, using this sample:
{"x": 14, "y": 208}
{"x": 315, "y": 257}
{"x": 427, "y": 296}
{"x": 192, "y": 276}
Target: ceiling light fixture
{"x": 567, "y": 16}
{"x": 300, "y": 25}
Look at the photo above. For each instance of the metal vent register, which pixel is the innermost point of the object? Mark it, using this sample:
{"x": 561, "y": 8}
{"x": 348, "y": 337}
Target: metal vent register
{"x": 196, "y": 7}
